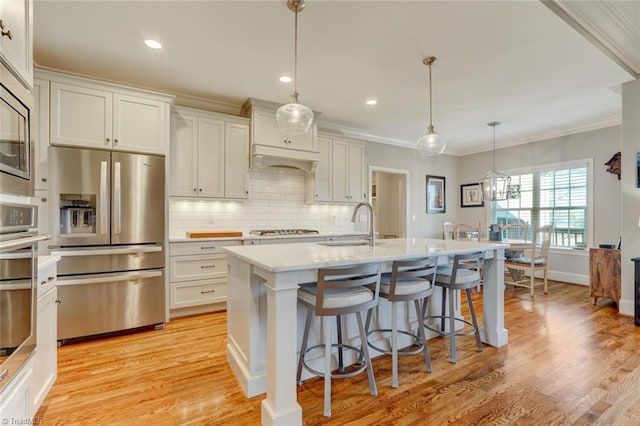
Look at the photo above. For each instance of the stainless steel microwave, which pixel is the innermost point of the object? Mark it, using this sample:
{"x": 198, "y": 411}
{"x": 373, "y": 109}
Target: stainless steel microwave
{"x": 16, "y": 144}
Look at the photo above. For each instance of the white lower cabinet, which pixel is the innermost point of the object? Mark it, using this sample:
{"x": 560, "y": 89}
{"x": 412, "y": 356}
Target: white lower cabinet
{"x": 198, "y": 276}
{"x": 15, "y": 402}
{"x": 45, "y": 369}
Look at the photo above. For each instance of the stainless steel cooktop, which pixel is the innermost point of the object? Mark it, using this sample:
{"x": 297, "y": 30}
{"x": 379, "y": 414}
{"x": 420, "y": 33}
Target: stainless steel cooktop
{"x": 276, "y": 232}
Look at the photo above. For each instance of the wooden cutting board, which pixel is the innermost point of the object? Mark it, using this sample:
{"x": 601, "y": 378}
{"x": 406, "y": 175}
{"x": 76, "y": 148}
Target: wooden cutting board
{"x": 213, "y": 234}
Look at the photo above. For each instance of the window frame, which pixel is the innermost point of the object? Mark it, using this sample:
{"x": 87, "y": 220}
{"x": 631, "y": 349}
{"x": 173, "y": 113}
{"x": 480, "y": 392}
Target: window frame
{"x": 589, "y": 220}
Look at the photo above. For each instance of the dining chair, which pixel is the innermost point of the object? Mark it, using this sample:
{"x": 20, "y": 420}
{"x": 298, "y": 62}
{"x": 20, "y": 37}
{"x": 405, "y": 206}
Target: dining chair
{"x": 463, "y": 231}
{"x": 537, "y": 260}
{"x": 515, "y": 231}
{"x": 409, "y": 280}
{"x": 447, "y": 230}
{"x": 339, "y": 291}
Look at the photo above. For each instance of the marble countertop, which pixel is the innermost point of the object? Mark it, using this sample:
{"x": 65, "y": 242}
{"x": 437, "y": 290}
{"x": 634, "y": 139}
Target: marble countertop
{"x": 300, "y": 256}
{"x": 246, "y": 236}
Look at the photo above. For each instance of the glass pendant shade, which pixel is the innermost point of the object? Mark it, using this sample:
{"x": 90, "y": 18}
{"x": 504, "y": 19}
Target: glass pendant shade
{"x": 431, "y": 143}
{"x": 294, "y": 118}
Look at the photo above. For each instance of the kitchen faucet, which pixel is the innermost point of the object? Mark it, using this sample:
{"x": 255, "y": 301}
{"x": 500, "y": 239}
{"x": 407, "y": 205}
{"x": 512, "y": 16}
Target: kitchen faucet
{"x": 372, "y": 235}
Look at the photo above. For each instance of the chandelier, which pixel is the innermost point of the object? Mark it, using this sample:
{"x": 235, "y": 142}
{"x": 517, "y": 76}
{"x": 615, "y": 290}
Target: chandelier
{"x": 495, "y": 186}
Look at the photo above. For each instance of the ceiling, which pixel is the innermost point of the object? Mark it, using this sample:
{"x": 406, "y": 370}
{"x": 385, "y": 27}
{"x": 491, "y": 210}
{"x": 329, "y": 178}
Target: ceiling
{"x": 515, "y": 62}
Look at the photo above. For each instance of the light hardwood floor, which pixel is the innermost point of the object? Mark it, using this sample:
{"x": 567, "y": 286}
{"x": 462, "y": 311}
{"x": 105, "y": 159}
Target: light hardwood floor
{"x": 567, "y": 363}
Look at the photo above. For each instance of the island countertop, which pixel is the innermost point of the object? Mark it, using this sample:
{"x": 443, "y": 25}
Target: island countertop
{"x": 263, "y": 319}
{"x": 300, "y": 256}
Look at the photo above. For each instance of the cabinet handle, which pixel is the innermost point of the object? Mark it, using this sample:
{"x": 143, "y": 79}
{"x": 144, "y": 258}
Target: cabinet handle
{"x": 207, "y": 266}
{"x": 43, "y": 179}
{"x": 48, "y": 280}
{"x": 58, "y": 301}
{"x": 208, "y": 291}
{"x": 108, "y": 140}
{"x": 43, "y": 199}
{"x": 208, "y": 248}
{"x": 5, "y": 32}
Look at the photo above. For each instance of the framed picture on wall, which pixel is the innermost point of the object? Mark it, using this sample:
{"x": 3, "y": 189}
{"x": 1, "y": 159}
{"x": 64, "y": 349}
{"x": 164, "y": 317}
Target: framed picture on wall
{"x": 471, "y": 195}
{"x": 436, "y": 200}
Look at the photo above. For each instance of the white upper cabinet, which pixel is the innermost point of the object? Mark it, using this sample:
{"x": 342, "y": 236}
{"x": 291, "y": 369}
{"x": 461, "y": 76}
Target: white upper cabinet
{"x": 340, "y": 175}
{"x": 321, "y": 189}
{"x": 91, "y": 116}
{"x": 236, "y": 160}
{"x": 209, "y": 155}
{"x": 268, "y": 133}
{"x": 210, "y": 159}
{"x": 16, "y": 43}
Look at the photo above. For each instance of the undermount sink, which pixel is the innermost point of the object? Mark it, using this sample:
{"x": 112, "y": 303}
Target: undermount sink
{"x": 345, "y": 243}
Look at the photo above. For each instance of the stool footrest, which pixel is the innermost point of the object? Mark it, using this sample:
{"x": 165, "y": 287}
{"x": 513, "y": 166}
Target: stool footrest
{"x": 358, "y": 370}
{"x": 415, "y": 337}
{"x": 443, "y": 333}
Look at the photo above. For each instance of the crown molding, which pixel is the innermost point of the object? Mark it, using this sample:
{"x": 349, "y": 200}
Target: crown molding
{"x": 336, "y": 129}
{"x": 615, "y": 120}
{"x": 605, "y": 25}
{"x": 208, "y": 104}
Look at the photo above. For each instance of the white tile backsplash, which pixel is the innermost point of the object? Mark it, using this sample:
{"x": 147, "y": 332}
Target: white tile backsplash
{"x": 276, "y": 201}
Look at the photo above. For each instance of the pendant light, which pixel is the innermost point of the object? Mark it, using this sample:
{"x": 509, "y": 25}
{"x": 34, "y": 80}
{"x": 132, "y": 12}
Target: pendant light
{"x": 431, "y": 143}
{"x": 294, "y": 118}
{"x": 495, "y": 185}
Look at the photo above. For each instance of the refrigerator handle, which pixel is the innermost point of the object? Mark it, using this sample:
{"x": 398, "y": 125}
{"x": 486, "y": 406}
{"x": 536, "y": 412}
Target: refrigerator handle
{"x": 117, "y": 196}
{"x": 104, "y": 197}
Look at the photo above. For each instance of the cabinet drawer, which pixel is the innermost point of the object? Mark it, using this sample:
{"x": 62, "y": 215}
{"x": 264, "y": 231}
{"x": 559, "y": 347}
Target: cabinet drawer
{"x": 196, "y": 293}
{"x": 46, "y": 279}
{"x": 189, "y": 268}
{"x": 200, "y": 247}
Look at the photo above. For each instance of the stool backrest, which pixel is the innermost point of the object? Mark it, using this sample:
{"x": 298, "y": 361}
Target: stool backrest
{"x": 358, "y": 276}
{"x": 415, "y": 269}
{"x": 467, "y": 261}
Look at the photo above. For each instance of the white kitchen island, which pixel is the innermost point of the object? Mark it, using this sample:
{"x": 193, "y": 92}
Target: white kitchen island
{"x": 262, "y": 317}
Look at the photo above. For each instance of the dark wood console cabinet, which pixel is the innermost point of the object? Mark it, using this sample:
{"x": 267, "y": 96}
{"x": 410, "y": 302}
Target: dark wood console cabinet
{"x": 604, "y": 274}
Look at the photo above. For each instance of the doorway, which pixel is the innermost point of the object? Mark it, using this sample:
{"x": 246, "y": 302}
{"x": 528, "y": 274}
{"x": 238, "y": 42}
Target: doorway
{"x": 389, "y": 197}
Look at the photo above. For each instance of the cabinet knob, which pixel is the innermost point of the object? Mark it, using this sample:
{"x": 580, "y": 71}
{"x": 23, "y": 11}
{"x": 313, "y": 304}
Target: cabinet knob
{"x": 43, "y": 199}
{"x": 43, "y": 179}
{"x": 108, "y": 140}
{"x": 5, "y": 32}
{"x": 58, "y": 301}
{"x": 246, "y": 192}
{"x": 200, "y": 189}
{"x": 115, "y": 141}
{"x": 195, "y": 190}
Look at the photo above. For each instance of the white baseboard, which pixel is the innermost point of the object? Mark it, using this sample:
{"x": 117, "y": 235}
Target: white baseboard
{"x": 626, "y": 307}
{"x": 569, "y": 277}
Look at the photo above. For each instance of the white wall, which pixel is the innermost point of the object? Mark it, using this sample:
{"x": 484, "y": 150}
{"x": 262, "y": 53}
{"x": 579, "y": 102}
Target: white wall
{"x": 394, "y": 157}
{"x": 598, "y": 144}
{"x": 630, "y": 193}
{"x": 276, "y": 202}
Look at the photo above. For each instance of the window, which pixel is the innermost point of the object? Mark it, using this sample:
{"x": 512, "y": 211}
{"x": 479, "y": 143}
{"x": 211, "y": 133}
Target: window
{"x": 557, "y": 195}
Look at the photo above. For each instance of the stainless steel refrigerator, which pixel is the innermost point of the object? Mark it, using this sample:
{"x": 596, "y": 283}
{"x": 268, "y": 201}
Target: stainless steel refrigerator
{"x": 107, "y": 220}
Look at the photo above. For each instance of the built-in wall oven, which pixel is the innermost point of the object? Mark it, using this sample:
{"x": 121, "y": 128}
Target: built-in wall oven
{"x": 18, "y": 268}
{"x": 16, "y": 145}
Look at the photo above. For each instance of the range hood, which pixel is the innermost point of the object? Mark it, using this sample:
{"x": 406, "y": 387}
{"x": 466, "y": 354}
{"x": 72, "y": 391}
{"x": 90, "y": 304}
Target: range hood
{"x": 269, "y": 156}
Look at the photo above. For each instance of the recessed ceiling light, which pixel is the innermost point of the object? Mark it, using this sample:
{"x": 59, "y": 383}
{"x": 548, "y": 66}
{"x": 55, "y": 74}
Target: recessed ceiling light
{"x": 371, "y": 102}
{"x": 153, "y": 44}
{"x": 285, "y": 79}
